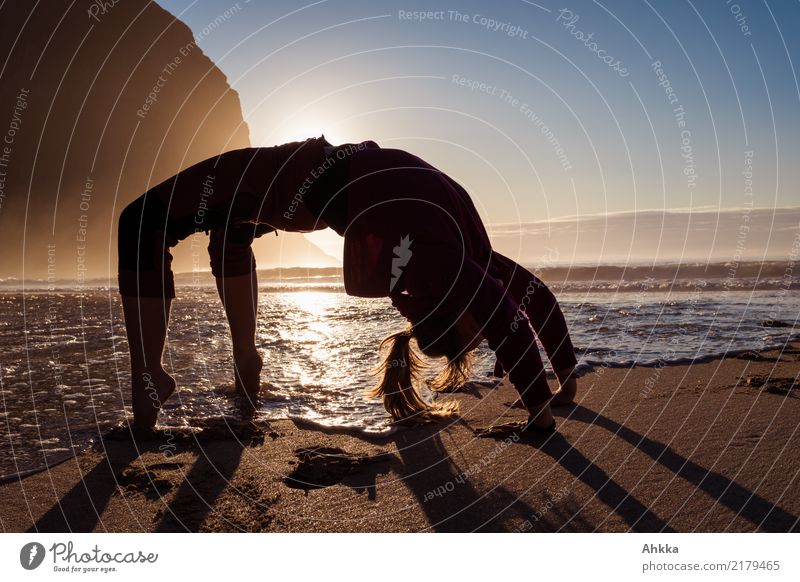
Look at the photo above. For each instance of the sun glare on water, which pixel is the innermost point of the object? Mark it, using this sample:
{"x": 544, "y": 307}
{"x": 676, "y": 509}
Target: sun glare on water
{"x": 315, "y": 303}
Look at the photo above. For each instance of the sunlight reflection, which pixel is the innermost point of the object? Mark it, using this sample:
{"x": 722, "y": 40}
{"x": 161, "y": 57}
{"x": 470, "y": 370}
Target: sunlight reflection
{"x": 316, "y": 328}
{"x": 316, "y": 303}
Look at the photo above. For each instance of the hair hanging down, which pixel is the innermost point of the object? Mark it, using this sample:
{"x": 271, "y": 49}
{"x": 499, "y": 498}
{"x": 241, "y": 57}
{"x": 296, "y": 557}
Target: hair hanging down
{"x": 400, "y": 367}
{"x": 455, "y": 374}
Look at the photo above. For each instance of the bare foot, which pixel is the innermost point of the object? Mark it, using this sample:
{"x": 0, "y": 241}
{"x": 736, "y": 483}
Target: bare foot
{"x": 561, "y": 399}
{"x": 247, "y": 373}
{"x": 541, "y": 417}
{"x": 150, "y": 389}
{"x": 566, "y": 395}
{"x": 568, "y": 388}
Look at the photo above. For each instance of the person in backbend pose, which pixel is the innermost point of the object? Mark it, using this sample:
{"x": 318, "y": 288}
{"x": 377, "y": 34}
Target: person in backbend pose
{"x": 411, "y": 233}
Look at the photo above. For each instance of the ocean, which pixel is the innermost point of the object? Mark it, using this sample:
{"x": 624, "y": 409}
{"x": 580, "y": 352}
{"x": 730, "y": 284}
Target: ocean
{"x": 64, "y": 364}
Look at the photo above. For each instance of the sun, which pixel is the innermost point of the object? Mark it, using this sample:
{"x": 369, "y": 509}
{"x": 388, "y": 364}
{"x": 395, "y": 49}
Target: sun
{"x": 300, "y": 127}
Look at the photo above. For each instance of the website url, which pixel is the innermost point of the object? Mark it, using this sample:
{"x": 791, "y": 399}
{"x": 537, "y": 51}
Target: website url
{"x": 729, "y": 566}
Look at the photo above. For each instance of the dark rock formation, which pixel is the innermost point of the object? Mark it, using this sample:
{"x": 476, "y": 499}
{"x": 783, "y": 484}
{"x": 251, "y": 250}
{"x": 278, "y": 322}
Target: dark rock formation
{"x": 97, "y": 105}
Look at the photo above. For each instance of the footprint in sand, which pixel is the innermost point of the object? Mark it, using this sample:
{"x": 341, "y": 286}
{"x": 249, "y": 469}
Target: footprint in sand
{"x": 133, "y": 480}
{"x": 319, "y": 467}
{"x": 770, "y": 385}
{"x": 197, "y": 430}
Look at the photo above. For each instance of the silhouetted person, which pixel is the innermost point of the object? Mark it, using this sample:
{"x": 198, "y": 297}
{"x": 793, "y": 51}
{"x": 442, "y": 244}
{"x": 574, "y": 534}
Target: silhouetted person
{"x": 411, "y": 233}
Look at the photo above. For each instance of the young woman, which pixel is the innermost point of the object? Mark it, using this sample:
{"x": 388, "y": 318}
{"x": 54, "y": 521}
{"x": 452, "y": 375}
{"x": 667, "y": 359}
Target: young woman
{"x": 410, "y": 232}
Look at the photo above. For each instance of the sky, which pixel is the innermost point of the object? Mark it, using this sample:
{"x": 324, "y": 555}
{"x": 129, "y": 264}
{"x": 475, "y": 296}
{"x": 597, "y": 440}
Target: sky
{"x": 541, "y": 110}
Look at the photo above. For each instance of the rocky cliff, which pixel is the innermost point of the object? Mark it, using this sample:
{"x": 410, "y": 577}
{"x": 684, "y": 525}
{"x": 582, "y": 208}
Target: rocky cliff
{"x": 98, "y": 102}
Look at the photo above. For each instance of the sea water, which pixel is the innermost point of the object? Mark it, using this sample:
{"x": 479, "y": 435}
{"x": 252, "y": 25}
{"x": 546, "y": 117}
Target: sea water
{"x": 65, "y": 377}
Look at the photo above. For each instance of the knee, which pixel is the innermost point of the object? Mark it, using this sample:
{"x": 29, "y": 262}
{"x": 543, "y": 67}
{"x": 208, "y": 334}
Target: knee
{"x": 129, "y": 233}
{"x": 141, "y": 230}
{"x": 130, "y": 217}
{"x": 230, "y": 251}
{"x": 143, "y": 258}
{"x": 141, "y": 218}
{"x": 233, "y": 261}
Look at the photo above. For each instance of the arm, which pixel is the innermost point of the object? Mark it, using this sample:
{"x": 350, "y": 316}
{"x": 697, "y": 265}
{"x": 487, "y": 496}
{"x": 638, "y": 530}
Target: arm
{"x": 465, "y": 286}
{"x": 537, "y": 304}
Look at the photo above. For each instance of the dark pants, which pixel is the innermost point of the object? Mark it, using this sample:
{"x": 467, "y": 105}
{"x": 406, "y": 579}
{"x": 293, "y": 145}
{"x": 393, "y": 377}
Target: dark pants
{"x": 212, "y": 196}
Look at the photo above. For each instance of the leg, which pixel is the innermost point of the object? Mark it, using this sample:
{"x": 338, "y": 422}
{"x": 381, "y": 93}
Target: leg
{"x": 234, "y": 267}
{"x": 147, "y": 289}
{"x": 239, "y": 295}
{"x": 146, "y": 321}
{"x": 201, "y": 197}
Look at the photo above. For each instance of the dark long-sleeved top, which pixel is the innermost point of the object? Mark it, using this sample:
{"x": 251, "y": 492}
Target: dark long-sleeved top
{"x": 412, "y": 230}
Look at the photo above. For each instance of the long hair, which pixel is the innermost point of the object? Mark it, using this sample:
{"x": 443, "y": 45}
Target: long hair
{"x": 401, "y": 367}
{"x": 455, "y": 374}
{"x": 437, "y": 337}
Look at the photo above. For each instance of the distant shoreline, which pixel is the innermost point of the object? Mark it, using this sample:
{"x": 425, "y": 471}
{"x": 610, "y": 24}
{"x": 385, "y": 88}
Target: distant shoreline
{"x": 743, "y": 276}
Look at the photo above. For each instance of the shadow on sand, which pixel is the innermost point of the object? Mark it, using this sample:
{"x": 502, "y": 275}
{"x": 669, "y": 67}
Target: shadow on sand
{"x": 764, "y": 515}
{"x": 220, "y": 444}
{"x": 422, "y": 463}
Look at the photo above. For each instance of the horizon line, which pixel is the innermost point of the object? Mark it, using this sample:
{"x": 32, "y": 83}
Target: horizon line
{"x": 681, "y": 210}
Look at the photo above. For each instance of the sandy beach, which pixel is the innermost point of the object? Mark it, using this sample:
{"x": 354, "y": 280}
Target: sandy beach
{"x": 711, "y": 447}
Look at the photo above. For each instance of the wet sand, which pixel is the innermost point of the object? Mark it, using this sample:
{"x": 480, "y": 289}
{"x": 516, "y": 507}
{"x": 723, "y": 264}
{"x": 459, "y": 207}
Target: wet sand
{"x": 711, "y": 447}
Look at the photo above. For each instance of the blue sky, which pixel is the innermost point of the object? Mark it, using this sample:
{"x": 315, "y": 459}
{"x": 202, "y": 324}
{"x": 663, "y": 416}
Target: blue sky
{"x": 555, "y": 130}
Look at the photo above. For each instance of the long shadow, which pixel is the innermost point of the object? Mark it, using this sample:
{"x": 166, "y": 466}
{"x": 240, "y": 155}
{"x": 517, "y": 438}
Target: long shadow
{"x": 759, "y": 511}
{"x": 638, "y": 517}
{"x": 427, "y": 467}
{"x": 449, "y": 501}
{"x": 79, "y": 510}
{"x": 208, "y": 478}
{"x": 211, "y": 473}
